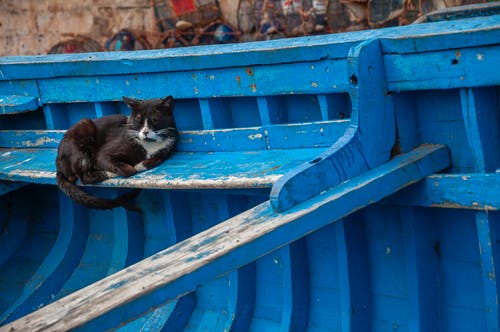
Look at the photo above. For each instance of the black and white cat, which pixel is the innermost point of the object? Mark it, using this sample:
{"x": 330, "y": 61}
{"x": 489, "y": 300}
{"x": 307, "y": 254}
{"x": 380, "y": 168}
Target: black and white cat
{"x": 115, "y": 145}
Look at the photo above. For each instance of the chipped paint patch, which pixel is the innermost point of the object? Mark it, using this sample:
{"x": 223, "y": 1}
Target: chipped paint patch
{"x": 194, "y": 182}
{"x": 33, "y": 174}
{"x": 41, "y": 141}
{"x": 256, "y": 136}
{"x": 19, "y": 163}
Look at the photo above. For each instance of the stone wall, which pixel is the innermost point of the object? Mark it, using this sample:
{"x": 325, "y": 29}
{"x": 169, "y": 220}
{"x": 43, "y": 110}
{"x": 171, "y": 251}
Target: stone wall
{"x": 33, "y": 26}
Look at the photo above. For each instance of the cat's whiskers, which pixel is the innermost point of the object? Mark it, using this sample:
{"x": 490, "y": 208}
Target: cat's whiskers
{"x": 165, "y": 131}
{"x": 132, "y": 135}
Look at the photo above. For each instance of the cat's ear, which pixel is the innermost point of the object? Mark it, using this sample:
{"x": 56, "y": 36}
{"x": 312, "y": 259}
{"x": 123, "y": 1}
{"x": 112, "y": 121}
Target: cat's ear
{"x": 167, "y": 102}
{"x": 131, "y": 102}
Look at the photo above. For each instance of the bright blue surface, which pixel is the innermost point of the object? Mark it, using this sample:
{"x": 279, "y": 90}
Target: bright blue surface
{"x": 309, "y": 127}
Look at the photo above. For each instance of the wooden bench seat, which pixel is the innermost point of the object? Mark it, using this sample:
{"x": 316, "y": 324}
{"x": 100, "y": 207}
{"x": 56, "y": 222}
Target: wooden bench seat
{"x": 184, "y": 170}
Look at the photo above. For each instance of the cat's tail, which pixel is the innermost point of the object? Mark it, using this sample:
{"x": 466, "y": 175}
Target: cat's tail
{"x": 85, "y": 199}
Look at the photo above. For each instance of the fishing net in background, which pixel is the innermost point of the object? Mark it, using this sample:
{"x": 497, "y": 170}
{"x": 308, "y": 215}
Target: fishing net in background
{"x": 76, "y": 44}
{"x": 193, "y": 22}
{"x": 128, "y": 40}
{"x": 270, "y": 19}
{"x": 199, "y": 22}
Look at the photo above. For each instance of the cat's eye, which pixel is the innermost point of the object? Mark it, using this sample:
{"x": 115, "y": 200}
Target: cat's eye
{"x": 138, "y": 117}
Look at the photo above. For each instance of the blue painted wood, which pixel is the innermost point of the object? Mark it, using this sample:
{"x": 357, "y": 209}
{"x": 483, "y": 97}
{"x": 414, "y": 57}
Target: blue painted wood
{"x": 414, "y": 262}
{"x": 12, "y": 104}
{"x": 18, "y": 96}
{"x": 324, "y": 266}
{"x": 30, "y": 138}
{"x": 459, "y": 269}
{"x": 214, "y": 83}
{"x": 460, "y": 68}
{"x": 454, "y": 191}
{"x": 476, "y": 114}
{"x": 56, "y": 116}
{"x": 217, "y": 170}
{"x": 27, "y": 266}
{"x": 296, "y": 293}
{"x": 103, "y": 109}
{"x": 8, "y": 186}
{"x": 62, "y": 259}
{"x": 355, "y": 289}
{"x": 240, "y": 240}
{"x": 105, "y": 249}
{"x": 421, "y": 270}
{"x": 365, "y": 144}
{"x": 14, "y": 227}
{"x": 317, "y": 134}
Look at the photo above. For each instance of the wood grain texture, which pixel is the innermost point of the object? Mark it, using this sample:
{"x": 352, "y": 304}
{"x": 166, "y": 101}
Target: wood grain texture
{"x": 365, "y": 144}
{"x": 453, "y": 191}
{"x": 13, "y": 104}
{"x": 233, "y": 243}
{"x": 208, "y": 170}
{"x": 278, "y": 136}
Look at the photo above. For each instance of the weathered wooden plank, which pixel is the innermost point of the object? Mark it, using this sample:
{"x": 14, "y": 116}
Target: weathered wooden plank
{"x": 453, "y": 191}
{"x": 296, "y": 296}
{"x": 445, "y": 68}
{"x": 231, "y": 244}
{"x": 318, "y": 134}
{"x": 56, "y": 116}
{"x": 221, "y": 82}
{"x": 166, "y": 212}
{"x": 285, "y": 136}
{"x": 12, "y": 104}
{"x": 18, "y": 96}
{"x": 476, "y": 113}
{"x": 353, "y": 266}
{"x": 15, "y": 230}
{"x": 366, "y": 143}
{"x": 59, "y": 264}
{"x": 452, "y": 68}
{"x": 30, "y": 138}
{"x": 421, "y": 266}
{"x": 184, "y": 170}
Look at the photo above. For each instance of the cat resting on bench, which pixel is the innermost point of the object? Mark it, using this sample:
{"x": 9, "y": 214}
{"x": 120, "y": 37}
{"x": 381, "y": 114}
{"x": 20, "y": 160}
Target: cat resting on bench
{"x": 115, "y": 145}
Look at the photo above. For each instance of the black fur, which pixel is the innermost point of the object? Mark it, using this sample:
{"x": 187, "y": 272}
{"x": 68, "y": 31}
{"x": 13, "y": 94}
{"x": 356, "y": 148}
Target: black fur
{"x": 92, "y": 150}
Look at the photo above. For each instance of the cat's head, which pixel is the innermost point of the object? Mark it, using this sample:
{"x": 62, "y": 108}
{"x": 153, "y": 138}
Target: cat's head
{"x": 151, "y": 120}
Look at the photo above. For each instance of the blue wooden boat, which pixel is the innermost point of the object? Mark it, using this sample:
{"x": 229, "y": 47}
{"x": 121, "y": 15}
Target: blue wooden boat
{"x": 341, "y": 182}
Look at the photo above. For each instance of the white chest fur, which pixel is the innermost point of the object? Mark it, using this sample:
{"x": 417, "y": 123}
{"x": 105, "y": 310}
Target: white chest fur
{"x": 153, "y": 147}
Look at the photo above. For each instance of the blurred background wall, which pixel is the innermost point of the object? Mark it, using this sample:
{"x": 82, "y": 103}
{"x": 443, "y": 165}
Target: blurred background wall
{"x": 29, "y": 27}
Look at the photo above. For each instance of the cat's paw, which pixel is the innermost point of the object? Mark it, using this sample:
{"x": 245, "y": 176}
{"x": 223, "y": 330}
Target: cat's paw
{"x": 140, "y": 167}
